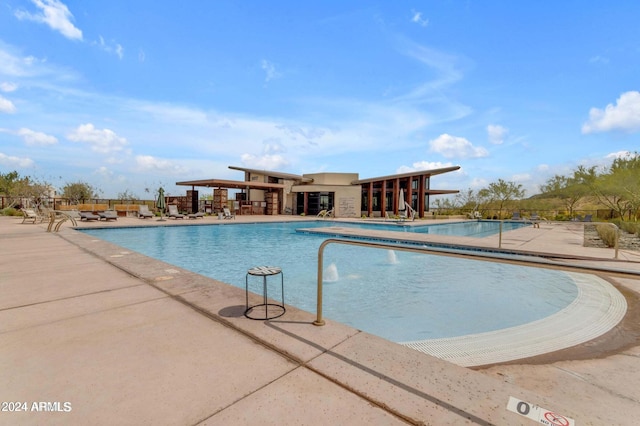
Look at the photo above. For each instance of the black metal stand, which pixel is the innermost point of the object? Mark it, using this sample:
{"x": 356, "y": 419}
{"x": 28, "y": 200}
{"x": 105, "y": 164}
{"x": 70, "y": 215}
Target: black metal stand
{"x": 264, "y": 272}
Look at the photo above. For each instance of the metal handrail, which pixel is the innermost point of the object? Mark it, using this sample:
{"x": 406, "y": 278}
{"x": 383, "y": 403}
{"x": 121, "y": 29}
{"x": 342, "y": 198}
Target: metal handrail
{"x": 53, "y": 215}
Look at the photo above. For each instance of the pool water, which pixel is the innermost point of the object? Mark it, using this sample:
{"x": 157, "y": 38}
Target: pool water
{"x": 401, "y": 296}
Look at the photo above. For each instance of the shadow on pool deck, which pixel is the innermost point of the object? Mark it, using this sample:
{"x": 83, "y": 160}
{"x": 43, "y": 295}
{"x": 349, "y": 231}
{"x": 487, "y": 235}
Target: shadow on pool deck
{"x": 125, "y": 339}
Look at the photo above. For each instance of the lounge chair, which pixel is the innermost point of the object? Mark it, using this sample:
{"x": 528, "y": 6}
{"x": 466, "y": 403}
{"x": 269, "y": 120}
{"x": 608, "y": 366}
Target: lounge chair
{"x": 108, "y": 215}
{"x": 196, "y": 215}
{"x": 31, "y": 215}
{"x": 587, "y": 218}
{"x": 228, "y": 214}
{"x": 516, "y": 216}
{"x": 174, "y": 213}
{"x": 143, "y": 212}
{"x": 87, "y": 216}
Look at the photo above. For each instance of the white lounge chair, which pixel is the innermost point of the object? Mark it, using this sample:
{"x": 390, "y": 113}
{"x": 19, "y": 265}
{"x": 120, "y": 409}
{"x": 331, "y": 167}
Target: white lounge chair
{"x": 228, "y": 214}
{"x": 108, "y": 215}
{"x": 87, "y": 216}
{"x": 174, "y": 213}
{"x": 30, "y": 215}
{"x": 196, "y": 215}
{"x": 143, "y": 211}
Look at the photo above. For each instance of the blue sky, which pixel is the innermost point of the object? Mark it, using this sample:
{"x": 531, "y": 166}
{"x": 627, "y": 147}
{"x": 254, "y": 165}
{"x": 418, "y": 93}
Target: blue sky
{"x": 131, "y": 95}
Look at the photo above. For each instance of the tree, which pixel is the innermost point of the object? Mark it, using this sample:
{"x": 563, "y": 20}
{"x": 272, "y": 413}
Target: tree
{"x": 619, "y": 187}
{"x": 444, "y": 205}
{"x": 19, "y": 190}
{"x": 127, "y": 196}
{"x": 502, "y": 193}
{"x": 570, "y": 189}
{"x": 78, "y": 191}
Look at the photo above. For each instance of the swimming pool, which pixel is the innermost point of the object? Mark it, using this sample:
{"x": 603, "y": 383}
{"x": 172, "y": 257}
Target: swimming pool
{"x": 396, "y": 295}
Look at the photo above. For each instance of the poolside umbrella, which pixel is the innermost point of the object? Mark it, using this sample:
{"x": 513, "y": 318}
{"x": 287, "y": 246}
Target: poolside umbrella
{"x": 401, "y": 206}
{"x": 160, "y": 204}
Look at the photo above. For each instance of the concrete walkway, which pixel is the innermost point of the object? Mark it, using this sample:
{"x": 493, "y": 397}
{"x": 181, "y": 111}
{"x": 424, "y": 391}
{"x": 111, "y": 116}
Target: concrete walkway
{"x": 91, "y": 333}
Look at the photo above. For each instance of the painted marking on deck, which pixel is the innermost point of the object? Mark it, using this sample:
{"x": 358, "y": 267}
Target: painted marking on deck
{"x": 538, "y": 414}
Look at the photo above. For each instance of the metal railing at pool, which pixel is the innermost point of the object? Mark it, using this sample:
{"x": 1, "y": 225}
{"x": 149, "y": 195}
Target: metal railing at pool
{"x": 426, "y": 250}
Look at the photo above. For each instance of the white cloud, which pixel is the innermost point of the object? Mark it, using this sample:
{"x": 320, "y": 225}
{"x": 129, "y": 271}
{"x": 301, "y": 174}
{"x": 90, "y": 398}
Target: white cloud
{"x": 56, "y": 15}
{"x": 266, "y": 161}
{"x": 13, "y": 65}
{"x": 521, "y": 177}
{"x": 624, "y": 116}
{"x": 620, "y": 154}
{"x": 8, "y": 87}
{"x": 103, "y": 141}
{"x": 32, "y": 138}
{"x": 270, "y": 71}
{"x": 10, "y": 161}
{"x": 455, "y": 147}
{"x": 496, "y": 134}
{"x": 148, "y": 163}
{"x": 112, "y": 48}
{"x": 418, "y": 19}
{"x": 7, "y": 106}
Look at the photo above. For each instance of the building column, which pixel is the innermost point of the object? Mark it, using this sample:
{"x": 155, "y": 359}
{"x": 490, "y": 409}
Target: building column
{"x": 383, "y": 199}
{"x": 407, "y": 199}
{"x": 370, "y": 200}
{"x": 421, "y": 193}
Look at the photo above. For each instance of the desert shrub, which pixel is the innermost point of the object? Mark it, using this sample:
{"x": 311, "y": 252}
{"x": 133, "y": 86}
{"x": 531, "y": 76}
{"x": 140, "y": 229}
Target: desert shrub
{"x": 630, "y": 227}
{"x": 10, "y": 211}
{"x": 608, "y": 234}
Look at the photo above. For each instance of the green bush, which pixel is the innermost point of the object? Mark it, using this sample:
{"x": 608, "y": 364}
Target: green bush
{"x": 10, "y": 211}
{"x": 608, "y": 234}
{"x": 630, "y": 227}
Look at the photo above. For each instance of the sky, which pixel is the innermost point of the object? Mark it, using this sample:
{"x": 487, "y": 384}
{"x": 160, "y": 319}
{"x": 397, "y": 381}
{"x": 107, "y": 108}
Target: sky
{"x": 128, "y": 96}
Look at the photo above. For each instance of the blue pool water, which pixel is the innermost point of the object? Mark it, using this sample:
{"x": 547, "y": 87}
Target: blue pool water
{"x": 400, "y": 296}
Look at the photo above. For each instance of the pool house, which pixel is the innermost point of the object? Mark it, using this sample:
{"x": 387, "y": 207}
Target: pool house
{"x": 344, "y": 194}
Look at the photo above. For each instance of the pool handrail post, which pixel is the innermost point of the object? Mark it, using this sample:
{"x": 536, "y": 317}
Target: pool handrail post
{"x": 319, "y": 321}
{"x": 615, "y": 243}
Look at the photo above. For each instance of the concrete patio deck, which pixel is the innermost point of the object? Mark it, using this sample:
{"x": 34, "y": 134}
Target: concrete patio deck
{"x": 91, "y": 333}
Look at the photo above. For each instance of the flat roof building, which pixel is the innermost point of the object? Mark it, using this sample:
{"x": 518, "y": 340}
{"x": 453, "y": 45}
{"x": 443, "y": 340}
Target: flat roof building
{"x": 345, "y": 194}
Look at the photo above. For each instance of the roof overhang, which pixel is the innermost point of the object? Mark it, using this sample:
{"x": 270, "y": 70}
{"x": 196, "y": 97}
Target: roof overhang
{"x": 235, "y": 184}
{"x": 431, "y": 172}
{"x": 279, "y": 175}
{"x": 441, "y": 191}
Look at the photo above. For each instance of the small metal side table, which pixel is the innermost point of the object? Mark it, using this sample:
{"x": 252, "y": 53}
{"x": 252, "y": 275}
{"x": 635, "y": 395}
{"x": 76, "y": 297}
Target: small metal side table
{"x": 264, "y": 272}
